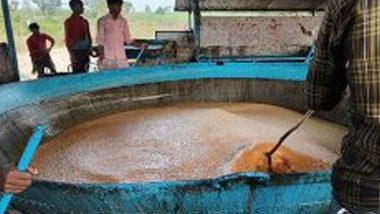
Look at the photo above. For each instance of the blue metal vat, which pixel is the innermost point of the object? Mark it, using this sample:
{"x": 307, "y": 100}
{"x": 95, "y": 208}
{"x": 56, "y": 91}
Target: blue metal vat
{"x": 65, "y": 101}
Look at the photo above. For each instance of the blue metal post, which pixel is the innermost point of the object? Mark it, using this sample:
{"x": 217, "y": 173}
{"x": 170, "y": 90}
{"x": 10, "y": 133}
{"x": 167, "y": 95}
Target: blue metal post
{"x": 11, "y": 41}
{"x": 197, "y": 22}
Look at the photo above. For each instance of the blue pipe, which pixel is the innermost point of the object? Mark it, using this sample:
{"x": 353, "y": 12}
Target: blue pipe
{"x": 24, "y": 162}
{"x": 11, "y": 41}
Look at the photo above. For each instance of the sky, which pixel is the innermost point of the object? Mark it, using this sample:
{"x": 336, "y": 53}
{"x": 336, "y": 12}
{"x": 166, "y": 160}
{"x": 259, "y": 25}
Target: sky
{"x": 140, "y": 4}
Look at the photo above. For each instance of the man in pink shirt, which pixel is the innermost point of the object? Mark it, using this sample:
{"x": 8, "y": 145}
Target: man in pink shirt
{"x": 113, "y": 33}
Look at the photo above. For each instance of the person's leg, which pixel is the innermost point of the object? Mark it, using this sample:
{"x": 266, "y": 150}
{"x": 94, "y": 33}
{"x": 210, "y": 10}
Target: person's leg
{"x": 79, "y": 60}
{"x": 75, "y": 64}
{"x": 34, "y": 67}
{"x": 83, "y": 60}
{"x": 122, "y": 63}
{"x": 50, "y": 64}
{"x": 39, "y": 66}
{"x": 107, "y": 64}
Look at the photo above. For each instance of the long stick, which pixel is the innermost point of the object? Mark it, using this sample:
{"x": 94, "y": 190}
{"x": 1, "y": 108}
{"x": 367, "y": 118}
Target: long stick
{"x": 308, "y": 114}
{"x": 138, "y": 58}
{"x": 25, "y": 160}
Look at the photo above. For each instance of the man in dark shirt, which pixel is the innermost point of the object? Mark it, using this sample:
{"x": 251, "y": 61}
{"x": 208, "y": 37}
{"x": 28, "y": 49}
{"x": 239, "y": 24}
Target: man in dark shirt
{"x": 39, "y": 52}
{"x": 78, "y": 38}
{"x": 348, "y": 53}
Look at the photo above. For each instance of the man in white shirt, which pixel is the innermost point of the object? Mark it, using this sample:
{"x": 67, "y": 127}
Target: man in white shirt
{"x": 113, "y": 33}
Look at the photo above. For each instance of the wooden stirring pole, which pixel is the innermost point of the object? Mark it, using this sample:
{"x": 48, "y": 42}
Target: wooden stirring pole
{"x": 269, "y": 154}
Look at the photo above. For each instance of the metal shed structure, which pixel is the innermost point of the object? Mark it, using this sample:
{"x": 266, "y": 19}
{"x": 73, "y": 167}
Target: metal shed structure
{"x": 237, "y": 33}
{"x": 241, "y": 5}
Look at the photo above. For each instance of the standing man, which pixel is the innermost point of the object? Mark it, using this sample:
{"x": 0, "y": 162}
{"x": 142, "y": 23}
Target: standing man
{"x": 348, "y": 53}
{"x": 39, "y": 52}
{"x": 78, "y": 37}
{"x": 113, "y": 33}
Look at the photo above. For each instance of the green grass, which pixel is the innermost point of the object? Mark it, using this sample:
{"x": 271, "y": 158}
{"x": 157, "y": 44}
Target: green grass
{"x": 143, "y": 25}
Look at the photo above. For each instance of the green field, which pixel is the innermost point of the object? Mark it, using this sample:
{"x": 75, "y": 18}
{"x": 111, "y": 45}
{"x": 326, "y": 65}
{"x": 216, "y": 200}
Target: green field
{"x": 143, "y": 25}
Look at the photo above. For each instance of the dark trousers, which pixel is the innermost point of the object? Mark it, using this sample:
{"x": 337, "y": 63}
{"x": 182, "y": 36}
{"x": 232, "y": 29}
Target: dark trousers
{"x": 39, "y": 65}
{"x": 335, "y": 208}
{"x": 80, "y": 59}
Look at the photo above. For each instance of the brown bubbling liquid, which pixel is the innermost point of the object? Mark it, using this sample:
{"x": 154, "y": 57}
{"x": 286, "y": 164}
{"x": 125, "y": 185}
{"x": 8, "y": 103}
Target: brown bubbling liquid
{"x": 283, "y": 161}
{"x": 182, "y": 142}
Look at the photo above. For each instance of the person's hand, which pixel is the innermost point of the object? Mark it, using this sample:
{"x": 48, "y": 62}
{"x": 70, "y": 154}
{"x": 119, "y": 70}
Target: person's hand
{"x": 13, "y": 181}
{"x": 144, "y": 45}
{"x": 47, "y": 50}
{"x": 94, "y": 51}
{"x": 255, "y": 159}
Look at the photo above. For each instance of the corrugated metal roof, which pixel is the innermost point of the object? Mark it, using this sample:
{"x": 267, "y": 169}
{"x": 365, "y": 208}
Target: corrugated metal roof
{"x": 216, "y": 5}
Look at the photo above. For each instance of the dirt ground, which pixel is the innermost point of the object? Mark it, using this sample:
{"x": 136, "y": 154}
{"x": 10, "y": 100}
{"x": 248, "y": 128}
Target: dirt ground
{"x": 60, "y": 57}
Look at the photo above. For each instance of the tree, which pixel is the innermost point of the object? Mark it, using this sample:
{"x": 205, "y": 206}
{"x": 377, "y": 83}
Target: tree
{"x": 96, "y": 8}
{"x": 163, "y": 10}
{"x": 27, "y": 5}
{"x": 89, "y": 3}
{"x": 48, "y": 6}
{"x": 148, "y": 9}
{"x": 128, "y": 7}
{"x": 160, "y": 10}
{"x": 14, "y": 5}
{"x": 168, "y": 9}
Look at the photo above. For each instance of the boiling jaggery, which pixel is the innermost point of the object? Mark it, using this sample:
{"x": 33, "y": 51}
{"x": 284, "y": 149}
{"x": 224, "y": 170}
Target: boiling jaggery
{"x": 182, "y": 142}
{"x": 283, "y": 161}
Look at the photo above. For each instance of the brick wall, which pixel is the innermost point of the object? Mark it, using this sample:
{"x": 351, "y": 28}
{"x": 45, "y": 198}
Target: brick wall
{"x": 247, "y": 36}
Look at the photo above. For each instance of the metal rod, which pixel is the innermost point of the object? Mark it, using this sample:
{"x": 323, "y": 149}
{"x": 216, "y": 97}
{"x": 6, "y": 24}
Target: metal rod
{"x": 195, "y": 8}
{"x": 11, "y": 41}
{"x": 197, "y": 23}
{"x": 139, "y": 56}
